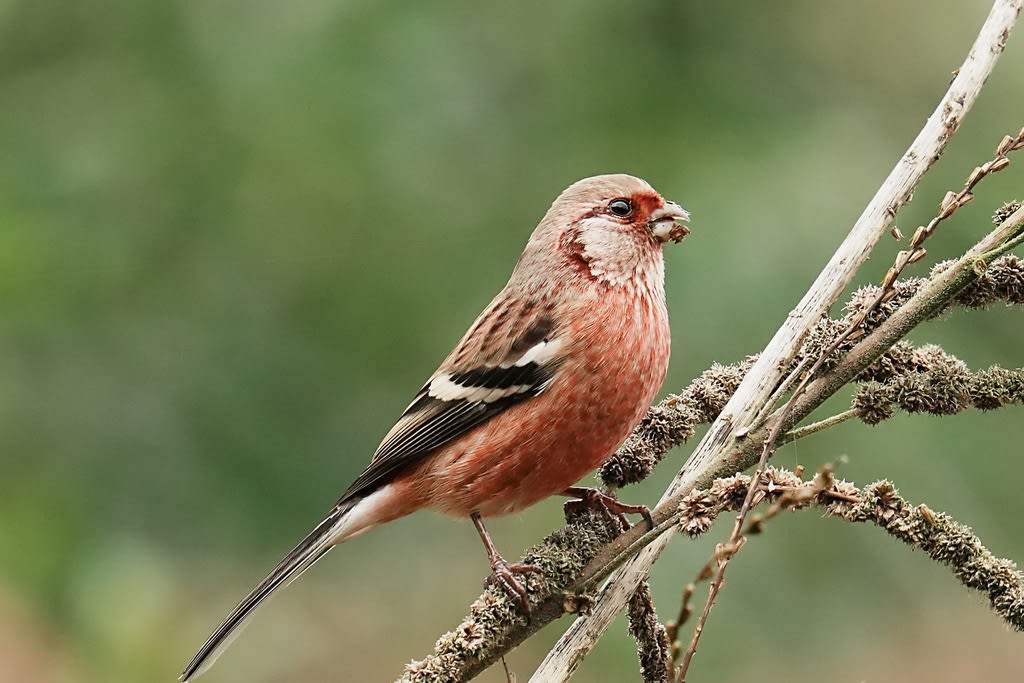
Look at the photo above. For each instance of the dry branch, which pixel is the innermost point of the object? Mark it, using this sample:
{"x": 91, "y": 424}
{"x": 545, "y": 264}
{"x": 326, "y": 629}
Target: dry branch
{"x": 712, "y": 456}
{"x": 577, "y": 556}
{"x": 574, "y": 557}
{"x": 652, "y": 645}
{"x": 941, "y": 537}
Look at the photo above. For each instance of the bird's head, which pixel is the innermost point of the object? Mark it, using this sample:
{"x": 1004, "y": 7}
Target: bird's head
{"x": 612, "y": 225}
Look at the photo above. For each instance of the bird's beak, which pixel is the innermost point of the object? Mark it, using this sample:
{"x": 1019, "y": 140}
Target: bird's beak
{"x": 664, "y": 225}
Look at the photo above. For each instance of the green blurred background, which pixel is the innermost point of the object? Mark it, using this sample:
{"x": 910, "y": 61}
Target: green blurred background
{"x": 235, "y": 237}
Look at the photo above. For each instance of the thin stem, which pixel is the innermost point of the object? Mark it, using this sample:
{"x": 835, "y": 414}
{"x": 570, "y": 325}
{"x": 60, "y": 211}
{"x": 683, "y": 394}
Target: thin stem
{"x": 721, "y": 452}
{"x": 821, "y": 425}
{"x": 713, "y": 456}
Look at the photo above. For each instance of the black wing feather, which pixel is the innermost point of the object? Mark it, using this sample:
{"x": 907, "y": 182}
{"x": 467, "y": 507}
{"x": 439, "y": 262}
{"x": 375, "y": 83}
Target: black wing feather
{"x": 433, "y": 422}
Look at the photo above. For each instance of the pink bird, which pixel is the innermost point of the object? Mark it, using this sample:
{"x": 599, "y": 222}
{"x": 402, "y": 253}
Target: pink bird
{"x": 544, "y": 387}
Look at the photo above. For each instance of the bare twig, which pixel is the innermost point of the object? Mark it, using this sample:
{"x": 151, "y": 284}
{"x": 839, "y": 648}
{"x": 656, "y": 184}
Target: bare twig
{"x": 685, "y": 610}
{"x": 493, "y": 628}
{"x": 917, "y": 303}
{"x": 712, "y": 455}
{"x": 944, "y": 539}
{"x": 581, "y": 553}
{"x": 950, "y": 203}
{"x": 820, "y": 425}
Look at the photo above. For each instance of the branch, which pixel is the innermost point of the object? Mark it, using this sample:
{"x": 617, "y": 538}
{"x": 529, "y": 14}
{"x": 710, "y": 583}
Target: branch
{"x": 939, "y": 384}
{"x": 946, "y": 541}
{"x": 712, "y": 456}
{"x": 941, "y": 537}
{"x": 568, "y": 559}
{"x": 585, "y": 550}
{"x": 651, "y": 638}
{"x": 933, "y": 296}
{"x": 947, "y": 391}
{"x": 673, "y": 422}
{"x": 854, "y": 330}
{"x": 944, "y": 394}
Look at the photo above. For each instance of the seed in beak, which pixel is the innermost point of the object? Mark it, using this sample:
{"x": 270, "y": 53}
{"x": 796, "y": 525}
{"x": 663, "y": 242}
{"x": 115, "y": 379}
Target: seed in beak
{"x": 663, "y": 223}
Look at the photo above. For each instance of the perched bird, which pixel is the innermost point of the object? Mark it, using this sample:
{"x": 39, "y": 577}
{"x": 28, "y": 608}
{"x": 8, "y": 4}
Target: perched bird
{"x": 546, "y": 385}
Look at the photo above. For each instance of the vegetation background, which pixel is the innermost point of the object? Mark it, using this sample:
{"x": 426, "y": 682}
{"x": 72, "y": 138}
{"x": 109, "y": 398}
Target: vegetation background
{"x": 235, "y": 237}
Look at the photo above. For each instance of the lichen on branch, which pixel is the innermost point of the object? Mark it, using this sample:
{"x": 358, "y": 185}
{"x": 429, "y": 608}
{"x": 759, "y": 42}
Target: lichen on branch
{"x": 937, "y": 534}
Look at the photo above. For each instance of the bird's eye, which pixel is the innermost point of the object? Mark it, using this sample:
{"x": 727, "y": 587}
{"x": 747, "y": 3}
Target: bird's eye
{"x": 621, "y": 207}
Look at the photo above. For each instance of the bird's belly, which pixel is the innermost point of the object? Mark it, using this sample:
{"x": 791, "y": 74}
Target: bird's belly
{"x": 578, "y": 443}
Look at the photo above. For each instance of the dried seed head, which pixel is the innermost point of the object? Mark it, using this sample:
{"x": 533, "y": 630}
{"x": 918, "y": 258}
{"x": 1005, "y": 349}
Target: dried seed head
{"x": 917, "y": 255}
{"x": 926, "y": 514}
{"x": 580, "y": 604}
{"x": 890, "y": 277}
{"x": 977, "y": 174}
{"x": 948, "y": 201}
{"x": 1004, "y": 212}
{"x": 856, "y": 334}
{"x": 999, "y": 164}
{"x": 896, "y": 360}
{"x": 1008, "y": 275}
{"x": 920, "y": 235}
{"x": 996, "y": 387}
{"x": 1004, "y": 145}
{"x": 940, "y": 387}
{"x": 895, "y": 232}
{"x": 886, "y": 500}
{"x": 874, "y": 402}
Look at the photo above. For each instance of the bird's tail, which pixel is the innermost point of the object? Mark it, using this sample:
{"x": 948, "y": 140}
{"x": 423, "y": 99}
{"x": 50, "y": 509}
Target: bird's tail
{"x": 302, "y": 557}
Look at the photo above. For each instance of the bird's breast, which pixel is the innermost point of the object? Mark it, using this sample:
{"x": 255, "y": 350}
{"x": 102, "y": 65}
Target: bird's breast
{"x": 614, "y": 365}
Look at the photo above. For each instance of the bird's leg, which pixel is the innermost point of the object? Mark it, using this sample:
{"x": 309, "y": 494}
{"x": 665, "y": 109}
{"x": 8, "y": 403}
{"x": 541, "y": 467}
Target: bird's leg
{"x": 606, "y": 504}
{"x": 504, "y": 572}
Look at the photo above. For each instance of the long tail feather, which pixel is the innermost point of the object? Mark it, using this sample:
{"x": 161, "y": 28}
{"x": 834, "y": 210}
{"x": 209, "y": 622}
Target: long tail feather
{"x": 302, "y": 557}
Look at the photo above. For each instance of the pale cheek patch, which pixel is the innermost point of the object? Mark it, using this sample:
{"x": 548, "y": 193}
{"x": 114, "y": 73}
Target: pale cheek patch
{"x": 611, "y": 258}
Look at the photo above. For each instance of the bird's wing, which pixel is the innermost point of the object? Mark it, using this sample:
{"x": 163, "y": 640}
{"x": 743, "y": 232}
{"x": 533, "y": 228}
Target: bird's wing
{"x": 510, "y": 355}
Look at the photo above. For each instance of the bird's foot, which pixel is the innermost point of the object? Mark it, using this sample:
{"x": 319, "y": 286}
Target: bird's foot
{"x": 505, "y": 572}
{"x": 505, "y": 576}
{"x": 606, "y": 504}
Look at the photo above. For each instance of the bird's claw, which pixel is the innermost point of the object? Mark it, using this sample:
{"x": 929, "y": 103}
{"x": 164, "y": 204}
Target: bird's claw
{"x": 505, "y": 576}
{"x": 607, "y": 505}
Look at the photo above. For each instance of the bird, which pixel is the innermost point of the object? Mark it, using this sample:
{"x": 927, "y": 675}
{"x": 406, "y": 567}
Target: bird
{"x": 545, "y": 385}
